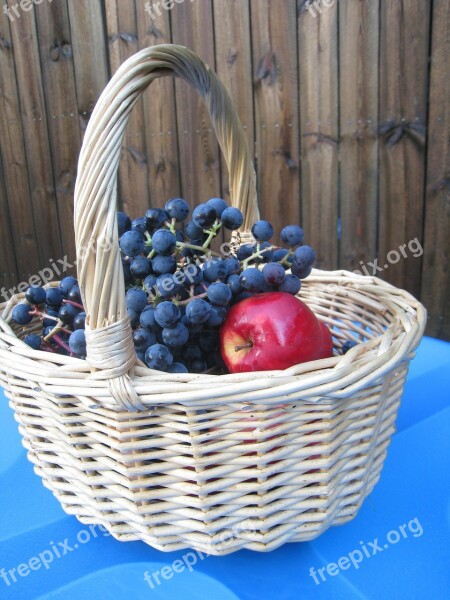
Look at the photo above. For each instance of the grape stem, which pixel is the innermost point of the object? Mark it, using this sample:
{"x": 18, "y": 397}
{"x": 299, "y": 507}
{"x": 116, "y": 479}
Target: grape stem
{"x": 212, "y": 233}
{"x": 193, "y": 247}
{"x": 284, "y": 260}
{"x": 257, "y": 254}
{"x": 76, "y": 304}
{"x": 191, "y": 298}
{"x": 59, "y": 341}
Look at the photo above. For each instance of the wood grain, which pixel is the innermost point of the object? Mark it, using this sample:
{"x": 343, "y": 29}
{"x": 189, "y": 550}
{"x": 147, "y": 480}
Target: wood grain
{"x": 192, "y": 26}
{"x": 160, "y": 119}
{"x": 234, "y": 65}
{"x": 35, "y": 115}
{"x": 90, "y": 54}
{"x": 60, "y": 99}
{"x": 275, "y": 81}
{"x": 358, "y": 123}
{"x": 122, "y": 33}
{"x": 319, "y": 129}
{"x": 15, "y": 167}
{"x": 404, "y": 44}
{"x": 9, "y": 275}
{"x": 435, "y": 291}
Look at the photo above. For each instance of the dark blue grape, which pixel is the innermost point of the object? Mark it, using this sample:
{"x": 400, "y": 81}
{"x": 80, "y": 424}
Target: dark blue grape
{"x": 54, "y": 296}
{"x": 167, "y": 286}
{"x": 67, "y": 314}
{"x": 262, "y": 231}
{"x": 191, "y": 275}
{"x": 204, "y": 216}
{"x": 21, "y": 314}
{"x": 301, "y": 272}
{"x": 177, "y": 367}
{"x": 209, "y": 341}
{"x": 218, "y": 205}
{"x": 198, "y": 366}
{"x": 292, "y": 235}
{"x": 127, "y": 274}
{"x": 167, "y": 314}
{"x": 33, "y": 340}
{"x": 77, "y": 342}
{"x": 140, "y": 267}
{"x": 147, "y": 319}
{"x": 53, "y": 313}
{"x": 273, "y": 273}
{"x": 304, "y": 257}
{"x": 164, "y": 264}
{"x": 198, "y": 311}
{"x": 266, "y": 252}
{"x": 179, "y": 235}
{"x": 48, "y": 329}
{"x": 279, "y": 254}
{"x": 75, "y": 294}
{"x": 158, "y": 357}
{"x": 191, "y": 353}
{"x": 134, "y": 317}
{"x": 245, "y": 251}
{"x": 66, "y": 284}
{"x": 136, "y": 299}
{"x": 215, "y": 269}
{"x": 217, "y": 316}
{"x": 291, "y": 284}
{"x": 35, "y": 294}
{"x": 232, "y": 265}
{"x": 155, "y": 218}
{"x": 164, "y": 242}
{"x": 193, "y": 231}
{"x": 143, "y": 339}
{"x": 234, "y": 283}
{"x": 123, "y": 223}
{"x": 79, "y": 321}
{"x": 139, "y": 225}
{"x": 150, "y": 284}
{"x": 348, "y": 345}
{"x": 177, "y": 208}
{"x": 219, "y": 293}
{"x": 232, "y": 218}
{"x": 175, "y": 337}
{"x": 132, "y": 243}
{"x": 251, "y": 279}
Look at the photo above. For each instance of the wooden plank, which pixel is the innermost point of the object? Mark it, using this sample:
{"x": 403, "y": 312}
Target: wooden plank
{"x": 358, "y": 121}
{"x": 192, "y": 26}
{"x": 133, "y": 173}
{"x": 435, "y": 289}
{"x": 160, "y": 119}
{"x": 89, "y": 54}
{"x": 14, "y": 162}
{"x": 234, "y": 66}
{"x": 404, "y": 26}
{"x": 61, "y": 103}
{"x": 319, "y": 127}
{"x": 274, "y": 41}
{"x": 9, "y": 275}
{"x": 35, "y": 127}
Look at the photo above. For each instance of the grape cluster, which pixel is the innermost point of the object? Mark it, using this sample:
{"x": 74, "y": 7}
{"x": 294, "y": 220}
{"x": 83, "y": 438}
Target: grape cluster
{"x": 178, "y": 291}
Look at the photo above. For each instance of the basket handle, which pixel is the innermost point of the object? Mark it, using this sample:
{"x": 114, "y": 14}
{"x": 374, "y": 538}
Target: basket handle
{"x": 110, "y": 350}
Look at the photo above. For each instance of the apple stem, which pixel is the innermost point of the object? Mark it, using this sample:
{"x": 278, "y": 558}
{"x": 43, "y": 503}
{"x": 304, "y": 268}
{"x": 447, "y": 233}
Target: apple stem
{"x": 247, "y": 345}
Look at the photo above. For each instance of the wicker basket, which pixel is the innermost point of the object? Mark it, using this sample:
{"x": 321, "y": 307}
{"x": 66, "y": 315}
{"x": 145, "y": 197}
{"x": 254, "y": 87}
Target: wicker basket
{"x": 214, "y": 463}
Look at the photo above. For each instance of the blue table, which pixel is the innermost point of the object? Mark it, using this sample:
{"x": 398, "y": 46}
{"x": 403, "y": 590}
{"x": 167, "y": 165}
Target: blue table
{"x": 398, "y": 547}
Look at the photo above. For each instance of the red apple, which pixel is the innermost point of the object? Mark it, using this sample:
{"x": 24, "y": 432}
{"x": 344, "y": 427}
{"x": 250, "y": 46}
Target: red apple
{"x": 272, "y": 331}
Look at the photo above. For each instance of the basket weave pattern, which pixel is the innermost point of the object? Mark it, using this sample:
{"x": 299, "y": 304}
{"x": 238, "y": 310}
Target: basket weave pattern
{"x": 215, "y": 463}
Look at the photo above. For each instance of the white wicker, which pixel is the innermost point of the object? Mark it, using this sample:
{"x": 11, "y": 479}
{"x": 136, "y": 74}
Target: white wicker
{"x": 211, "y": 462}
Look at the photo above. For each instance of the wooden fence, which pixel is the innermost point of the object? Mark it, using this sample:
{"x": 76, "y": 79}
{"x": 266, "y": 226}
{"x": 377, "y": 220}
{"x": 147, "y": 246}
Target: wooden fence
{"x": 345, "y": 102}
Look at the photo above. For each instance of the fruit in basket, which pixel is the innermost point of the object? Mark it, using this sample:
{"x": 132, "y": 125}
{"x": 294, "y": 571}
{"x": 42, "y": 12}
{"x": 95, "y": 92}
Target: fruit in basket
{"x": 272, "y": 331}
{"x": 178, "y": 291}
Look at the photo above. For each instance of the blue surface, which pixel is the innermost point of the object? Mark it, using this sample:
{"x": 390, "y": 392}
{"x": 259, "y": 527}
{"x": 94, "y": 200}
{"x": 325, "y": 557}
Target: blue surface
{"x": 397, "y": 547}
